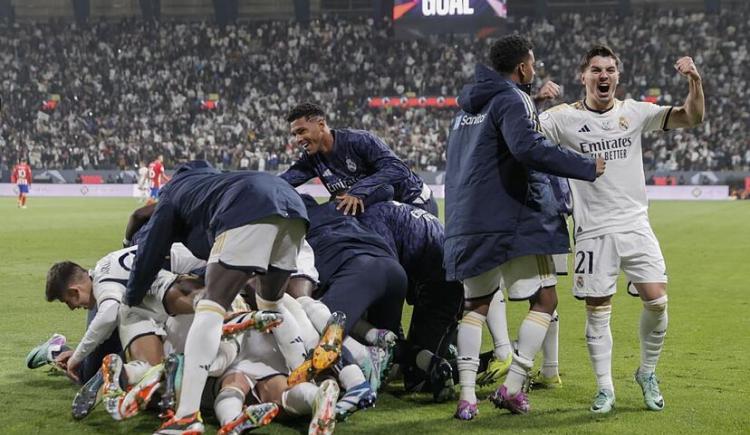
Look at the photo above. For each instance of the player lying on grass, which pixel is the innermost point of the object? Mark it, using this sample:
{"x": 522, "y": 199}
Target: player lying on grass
{"x": 142, "y": 328}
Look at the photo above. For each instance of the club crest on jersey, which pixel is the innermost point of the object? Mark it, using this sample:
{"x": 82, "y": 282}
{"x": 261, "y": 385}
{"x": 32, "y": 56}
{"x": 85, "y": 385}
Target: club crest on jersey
{"x": 350, "y": 165}
{"x": 607, "y": 125}
{"x": 579, "y": 281}
{"x": 624, "y": 124}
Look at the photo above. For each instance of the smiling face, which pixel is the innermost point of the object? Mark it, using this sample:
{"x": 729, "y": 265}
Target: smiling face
{"x": 309, "y": 133}
{"x": 600, "y": 78}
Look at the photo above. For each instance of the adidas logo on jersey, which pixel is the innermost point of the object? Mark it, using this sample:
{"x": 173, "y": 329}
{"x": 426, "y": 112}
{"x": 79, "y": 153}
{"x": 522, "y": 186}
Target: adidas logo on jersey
{"x": 585, "y": 129}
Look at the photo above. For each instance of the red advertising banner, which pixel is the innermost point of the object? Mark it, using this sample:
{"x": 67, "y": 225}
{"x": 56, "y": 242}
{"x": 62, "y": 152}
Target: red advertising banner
{"x": 406, "y": 102}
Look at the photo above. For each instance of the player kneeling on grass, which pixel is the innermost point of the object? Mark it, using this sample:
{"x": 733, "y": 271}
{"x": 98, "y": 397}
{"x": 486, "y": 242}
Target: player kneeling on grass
{"x": 141, "y": 328}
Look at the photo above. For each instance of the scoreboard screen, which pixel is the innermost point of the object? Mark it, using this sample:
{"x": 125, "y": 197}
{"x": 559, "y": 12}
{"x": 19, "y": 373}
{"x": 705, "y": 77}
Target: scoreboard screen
{"x": 447, "y": 16}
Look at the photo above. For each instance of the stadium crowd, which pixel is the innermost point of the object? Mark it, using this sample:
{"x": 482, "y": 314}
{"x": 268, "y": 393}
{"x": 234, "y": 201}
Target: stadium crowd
{"x": 130, "y": 90}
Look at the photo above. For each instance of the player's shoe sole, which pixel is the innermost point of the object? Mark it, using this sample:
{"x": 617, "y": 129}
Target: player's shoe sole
{"x": 88, "y": 396}
{"x": 111, "y": 390}
{"x": 252, "y": 417}
{"x": 324, "y": 409}
{"x": 190, "y": 425}
{"x": 328, "y": 350}
{"x": 138, "y": 397}
{"x": 263, "y": 321}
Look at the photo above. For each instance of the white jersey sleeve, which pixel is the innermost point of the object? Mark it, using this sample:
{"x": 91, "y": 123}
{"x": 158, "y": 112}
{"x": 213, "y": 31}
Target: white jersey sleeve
{"x": 654, "y": 117}
{"x": 110, "y": 276}
{"x": 183, "y": 261}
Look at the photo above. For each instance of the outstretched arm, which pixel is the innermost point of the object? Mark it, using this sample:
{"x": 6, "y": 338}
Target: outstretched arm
{"x": 689, "y": 114}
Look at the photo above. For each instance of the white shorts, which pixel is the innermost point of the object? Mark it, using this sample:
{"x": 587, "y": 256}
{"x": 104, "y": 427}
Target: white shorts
{"x": 272, "y": 241}
{"x": 259, "y": 358}
{"x": 561, "y": 264}
{"x": 598, "y": 262}
{"x": 150, "y": 317}
{"x": 522, "y": 277}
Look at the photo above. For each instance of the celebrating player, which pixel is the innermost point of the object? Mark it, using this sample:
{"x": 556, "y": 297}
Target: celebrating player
{"x": 612, "y": 229}
{"x": 242, "y": 223}
{"x": 502, "y": 221}
{"x": 350, "y": 163}
{"x": 21, "y": 175}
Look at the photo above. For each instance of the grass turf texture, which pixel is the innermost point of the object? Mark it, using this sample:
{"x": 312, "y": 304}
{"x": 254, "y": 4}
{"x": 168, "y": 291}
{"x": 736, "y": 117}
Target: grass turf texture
{"x": 702, "y": 369}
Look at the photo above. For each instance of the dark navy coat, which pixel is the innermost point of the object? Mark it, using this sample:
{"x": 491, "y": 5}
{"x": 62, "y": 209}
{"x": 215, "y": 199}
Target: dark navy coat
{"x": 416, "y": 236}
{"x": 198, "y": 204}
{"x": 337, "y": 238}
{"x": 499, "y": 201}
{"x": 358, "y": 164}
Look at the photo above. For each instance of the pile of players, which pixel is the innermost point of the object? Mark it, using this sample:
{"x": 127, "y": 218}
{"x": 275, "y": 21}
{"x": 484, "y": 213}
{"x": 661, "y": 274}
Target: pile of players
{"x": 327, "y": 317}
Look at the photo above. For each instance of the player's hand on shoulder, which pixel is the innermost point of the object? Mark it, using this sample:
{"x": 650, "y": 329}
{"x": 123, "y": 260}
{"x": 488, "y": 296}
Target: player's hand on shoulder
{"x": 549, "y": 91}
{"x": 601, "y": 166}
{"x": 349, "y": 204}
{"x": 686, "y": 67}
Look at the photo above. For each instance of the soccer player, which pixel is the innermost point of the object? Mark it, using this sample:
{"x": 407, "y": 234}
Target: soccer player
{"x": 418, "y": 237}
{"x": 502, "y": 221}
{"x": 350, "y": 163}
{"x": 156, "y": 177}
{"x": 21, "y": 175}
{"x": 612, "y": 229}
{"x": 242, "y": 223}
{"x": 143, "y": 181}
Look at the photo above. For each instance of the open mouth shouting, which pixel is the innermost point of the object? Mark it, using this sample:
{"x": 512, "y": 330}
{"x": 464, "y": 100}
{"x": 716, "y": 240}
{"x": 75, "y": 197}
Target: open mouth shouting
{"x": 602, "y": 89}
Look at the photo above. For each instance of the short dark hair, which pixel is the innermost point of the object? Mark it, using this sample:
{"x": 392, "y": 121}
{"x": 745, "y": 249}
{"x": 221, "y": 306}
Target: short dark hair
{"x": 305, "y": 110}
{"x": 598, "y": 50}
{"x": 507, "y": 52}
{"x": 58, "y": 278}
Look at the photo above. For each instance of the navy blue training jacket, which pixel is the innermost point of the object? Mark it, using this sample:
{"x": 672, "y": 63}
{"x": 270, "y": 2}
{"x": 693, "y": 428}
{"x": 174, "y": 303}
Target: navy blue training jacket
{"x": 499, "y": 200}
{"x": 359, "y": 163}
{"x": 198, "y": 204}
{"x": 415, "y": 235}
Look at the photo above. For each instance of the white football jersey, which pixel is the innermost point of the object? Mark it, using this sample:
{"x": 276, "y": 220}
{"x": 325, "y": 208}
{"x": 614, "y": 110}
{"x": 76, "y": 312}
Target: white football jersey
{"x": 111, "y": 273}
{"x": 616, "y": 201}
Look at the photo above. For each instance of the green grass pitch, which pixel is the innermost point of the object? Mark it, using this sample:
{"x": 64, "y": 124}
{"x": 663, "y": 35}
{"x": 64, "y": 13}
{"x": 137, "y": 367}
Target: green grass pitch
{"x": 704, "y": 367}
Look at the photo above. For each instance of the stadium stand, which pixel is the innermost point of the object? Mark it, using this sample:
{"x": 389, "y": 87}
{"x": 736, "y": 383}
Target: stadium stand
{"x": 109, "y": 94}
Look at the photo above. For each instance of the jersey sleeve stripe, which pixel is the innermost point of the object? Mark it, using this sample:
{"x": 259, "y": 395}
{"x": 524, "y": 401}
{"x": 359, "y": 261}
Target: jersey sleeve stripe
{"x": 666, "y": 118}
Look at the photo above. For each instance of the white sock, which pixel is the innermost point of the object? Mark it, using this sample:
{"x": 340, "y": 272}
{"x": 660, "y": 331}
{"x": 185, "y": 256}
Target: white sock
{"x": 200, "y": 349}
{"x": 299, "y": 399}
{"x": 135, "y": 370}
{"x": 356, "y": 349}
{"x": 530, "y": 337}
{"x": 550, "y": 348}
{"x": 351, "y": 376}
{"x": 225, "y": 356}
{"x": 366, "y": 331}
{"x": 309, "y": 334}
{"x": 317, "y": 312}
{"x": 423, "y": 359}
{"x": 469, "y": 345}
{"x": 653, "y": 329}
{"x": 287, "y": 333}
{"x": 599, "y": 343}
{"x": 497, "y": 323}
{"x": 228, "y": 404}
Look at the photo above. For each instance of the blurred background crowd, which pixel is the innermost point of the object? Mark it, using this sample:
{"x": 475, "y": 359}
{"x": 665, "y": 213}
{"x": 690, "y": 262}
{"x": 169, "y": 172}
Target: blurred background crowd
{"x": 111, "y": 94}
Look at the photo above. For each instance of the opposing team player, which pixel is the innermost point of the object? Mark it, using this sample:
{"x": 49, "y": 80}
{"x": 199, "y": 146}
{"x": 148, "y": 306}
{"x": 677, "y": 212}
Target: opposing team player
{"x": 156, "y": 178}
{"x": 502, "y": 221}
{"x": 612, "y": 229}
{"x": 350, "y": 163}
{"x": 21, "y": 176}
{"x": 242, "y": 223}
